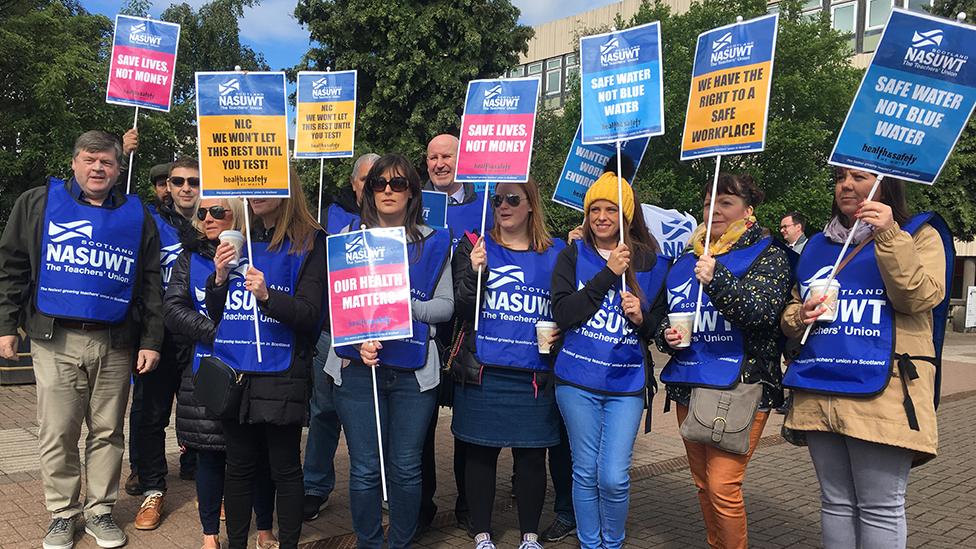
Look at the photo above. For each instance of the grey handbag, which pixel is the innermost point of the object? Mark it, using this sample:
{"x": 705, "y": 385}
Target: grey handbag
{"x": 722, "y": 417}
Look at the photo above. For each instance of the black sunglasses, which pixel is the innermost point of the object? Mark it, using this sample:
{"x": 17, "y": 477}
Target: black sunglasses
{"x": 216, "y": 212}
{"x": 513, "y": 200}
{"x": 180, "y": 181}
{"x": 397, "y": 184}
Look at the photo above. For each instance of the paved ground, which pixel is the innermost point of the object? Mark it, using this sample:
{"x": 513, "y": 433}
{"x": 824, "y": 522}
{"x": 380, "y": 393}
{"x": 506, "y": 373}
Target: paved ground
{"x": 781, "y": 490}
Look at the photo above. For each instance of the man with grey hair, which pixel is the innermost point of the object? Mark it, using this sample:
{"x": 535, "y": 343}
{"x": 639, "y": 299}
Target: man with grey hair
{"x": 323, "y": 421}
{"x": 344, "y": 207}
{"x": 79, "y": 271}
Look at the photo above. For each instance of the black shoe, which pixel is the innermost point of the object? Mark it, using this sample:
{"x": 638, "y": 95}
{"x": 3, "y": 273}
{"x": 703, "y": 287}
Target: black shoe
{"x": 558, "y": 530}
{"x": 132, "y": 485}
{"x": 463, "y": 519}
{"x": 312, "y": 506}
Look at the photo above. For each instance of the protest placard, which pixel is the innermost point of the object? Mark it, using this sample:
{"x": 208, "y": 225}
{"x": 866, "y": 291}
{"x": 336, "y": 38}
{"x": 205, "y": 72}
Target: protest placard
{"x": 435, "y": 209}
{"x": 729, "y": 101}
{"x": 325, "y": 125}
{"x": 143, "y": 63}
{"x": 585, "y": 163}
{"x": 622, "y": 84}
{"x": 242, "y": 133}
{"x": 672, "y": 229}
{"x": 497, "y": 129}
{"x": 914, "y": 100}
{"x": 369, "y": 286}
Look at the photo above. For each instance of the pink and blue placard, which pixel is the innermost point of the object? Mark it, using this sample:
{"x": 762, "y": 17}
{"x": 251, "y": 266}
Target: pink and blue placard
{"x": 622, "y": 84}
{"x": 914, "y": 101}
{"x": 369, "y": 286}
{"x": 143, "y": 63}
{"x": 584, "y": 165}
{"x": 497, "y": 129}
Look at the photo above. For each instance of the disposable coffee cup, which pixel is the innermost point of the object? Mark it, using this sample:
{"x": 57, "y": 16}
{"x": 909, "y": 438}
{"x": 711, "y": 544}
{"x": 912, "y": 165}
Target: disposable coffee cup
{"x": 235, "y": 239}
{"x": 818, "y": 289}
{"x": 543, "y": 331}
{"x": 684, "y": 323}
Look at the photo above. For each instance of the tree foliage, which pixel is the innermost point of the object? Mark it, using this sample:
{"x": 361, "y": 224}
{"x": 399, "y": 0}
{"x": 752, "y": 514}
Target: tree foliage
{"x": 414, "y": 59}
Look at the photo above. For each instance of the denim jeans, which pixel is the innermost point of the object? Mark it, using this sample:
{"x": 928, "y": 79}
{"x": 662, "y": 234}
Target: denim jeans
{"x": 404, "y": 416}
{"x": 210, "y": 492}
{"x": 323, "y": 428}
{"x": 602, "y": 430}
{"x": 862, "y": 491}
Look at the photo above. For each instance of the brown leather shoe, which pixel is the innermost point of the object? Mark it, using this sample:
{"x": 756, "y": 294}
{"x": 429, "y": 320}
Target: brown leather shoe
{"x": 150, "y": 513}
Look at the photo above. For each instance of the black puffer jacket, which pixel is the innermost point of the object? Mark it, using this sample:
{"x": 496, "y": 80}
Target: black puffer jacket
{"x": 195, "y": 427}
{"x": 282, "y": 398}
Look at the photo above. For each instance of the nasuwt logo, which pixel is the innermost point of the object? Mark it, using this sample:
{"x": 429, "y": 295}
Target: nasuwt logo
{"x": 675, "y": 228}
{"x": 612, "y": 54}
{"x": 506, "y": 274}
{"x": 925, "y": 53}
{"x": 59, "y": 232}
{"x": 169, "y": 254}
{"x": 359, "y": 251}
{"x": 679, "y": 294}
{"x": 820, "y": 276}
{"x": 232, "y": 98}
{"x": 201, "y": 297}
{"x": 322, "y": 90}
{"x": 139, "y": 34}
{"x": 495, "y": 99}
{"x": 724, "y": 50}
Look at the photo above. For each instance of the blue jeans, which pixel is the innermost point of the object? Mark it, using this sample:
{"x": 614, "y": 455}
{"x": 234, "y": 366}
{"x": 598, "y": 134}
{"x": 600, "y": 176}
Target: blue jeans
{"x": 404, "y": 416}
{"x": 323, "y": 428}
{"x": 210, "y": 492}
{"x": 602, "y": 430}
{"x": 862, "y": 491}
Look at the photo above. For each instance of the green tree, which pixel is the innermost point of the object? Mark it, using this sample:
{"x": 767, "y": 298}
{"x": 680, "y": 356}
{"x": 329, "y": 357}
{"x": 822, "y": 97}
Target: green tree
{"x": 813, "y": 84}
{"x": 414, "y": 59}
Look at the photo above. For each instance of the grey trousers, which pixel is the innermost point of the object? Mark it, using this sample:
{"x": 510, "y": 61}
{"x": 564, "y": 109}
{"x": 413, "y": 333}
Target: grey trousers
{"x": 80, "y": 378}
{"x": 862, "y": 491}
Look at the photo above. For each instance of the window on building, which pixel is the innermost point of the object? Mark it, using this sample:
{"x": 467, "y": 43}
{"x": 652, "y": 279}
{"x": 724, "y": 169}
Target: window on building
{"x": 772, "y": 8}
{"x": 878, "y": 11}
{"x": 554, "y": 82}
{"x": 535, "y": 68}
{"x": 517, "y": 72}
{"x": 920, "y": 5}
{"x": 572, "y": 60}
{"x": 554, "y": 63}
{"x": 843, "y": 17}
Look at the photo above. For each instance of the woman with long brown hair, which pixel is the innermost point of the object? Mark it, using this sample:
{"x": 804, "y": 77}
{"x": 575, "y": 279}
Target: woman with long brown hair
{"x": 287, "y": 278}
{"x": 603, "y": 367}
{"x": 502, "y": 370}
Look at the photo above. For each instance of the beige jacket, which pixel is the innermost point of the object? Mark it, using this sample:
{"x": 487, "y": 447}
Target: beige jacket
{"x": 913, "y": 269}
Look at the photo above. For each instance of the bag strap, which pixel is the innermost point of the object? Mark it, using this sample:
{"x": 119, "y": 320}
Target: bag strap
{"x": 851, "y": 255}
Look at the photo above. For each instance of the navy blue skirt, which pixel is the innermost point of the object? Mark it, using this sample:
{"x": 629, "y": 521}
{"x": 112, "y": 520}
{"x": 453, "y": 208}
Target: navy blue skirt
{"x": 505, "y": 411}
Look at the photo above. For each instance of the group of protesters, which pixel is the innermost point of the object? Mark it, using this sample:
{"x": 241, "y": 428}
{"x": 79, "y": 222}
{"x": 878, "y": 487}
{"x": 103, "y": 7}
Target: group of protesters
{"x": 160, "y": 302}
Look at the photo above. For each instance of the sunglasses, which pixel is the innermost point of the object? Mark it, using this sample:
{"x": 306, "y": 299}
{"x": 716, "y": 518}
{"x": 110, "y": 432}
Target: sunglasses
{"x": 180, "y": 181}
{"x": 216, "y": 212}
{"x": 513, "y": 200}
{"x": 397, "y": 184}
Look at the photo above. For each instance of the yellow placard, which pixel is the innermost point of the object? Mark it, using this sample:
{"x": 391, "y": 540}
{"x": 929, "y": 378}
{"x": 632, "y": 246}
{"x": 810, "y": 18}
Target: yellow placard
{"x": 727, "y": 107}
{"x": 244, "y": 155}
{"x": 325, "y": 128}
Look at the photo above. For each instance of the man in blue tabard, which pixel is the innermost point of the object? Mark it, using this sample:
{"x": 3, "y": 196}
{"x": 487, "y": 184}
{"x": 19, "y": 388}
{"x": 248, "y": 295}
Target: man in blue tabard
{"x": 79, "y": 271}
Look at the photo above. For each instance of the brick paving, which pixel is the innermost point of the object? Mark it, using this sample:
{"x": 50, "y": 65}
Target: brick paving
{"x": 781, "y": 489}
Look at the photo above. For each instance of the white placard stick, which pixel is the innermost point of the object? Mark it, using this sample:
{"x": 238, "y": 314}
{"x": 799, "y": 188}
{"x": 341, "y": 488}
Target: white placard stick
{"x": 250, "y": 256}
{"x": 376, "y": 399}
{"x": 132, "y": 155}
{"x": 620, "y": 214}
{"x": 708, "y": 238}
{"x": 477, "y": 293}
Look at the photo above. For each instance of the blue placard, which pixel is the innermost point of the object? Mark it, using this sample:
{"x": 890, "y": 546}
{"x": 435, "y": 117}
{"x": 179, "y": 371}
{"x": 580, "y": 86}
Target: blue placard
{"x": 241, "y": 93}
{"x": 584, "y": 164}
{"x": 435, "y": 209}
{"x": 622, "y": 84}
{"x": 914, "y": 100}
{"x": 146, "y": 34}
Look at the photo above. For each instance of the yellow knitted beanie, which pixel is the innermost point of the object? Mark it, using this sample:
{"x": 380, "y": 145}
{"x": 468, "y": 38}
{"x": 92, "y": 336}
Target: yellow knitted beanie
{"x": 605, "y": 188}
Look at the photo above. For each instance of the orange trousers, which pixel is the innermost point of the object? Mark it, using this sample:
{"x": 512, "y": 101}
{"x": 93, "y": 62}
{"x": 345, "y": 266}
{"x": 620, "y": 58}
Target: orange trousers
{"x": 718, "y": 475}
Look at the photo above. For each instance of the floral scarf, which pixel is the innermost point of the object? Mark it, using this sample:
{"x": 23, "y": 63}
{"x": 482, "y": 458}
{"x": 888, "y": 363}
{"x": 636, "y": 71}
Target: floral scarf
{"x": 724, "y": 242}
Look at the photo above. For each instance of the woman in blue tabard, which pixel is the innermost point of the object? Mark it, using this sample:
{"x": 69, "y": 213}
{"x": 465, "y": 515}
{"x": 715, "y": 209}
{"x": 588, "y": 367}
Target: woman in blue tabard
{"x": 407, "y": 370}
{"x": 603, "y": 369}
{"x": 865, "y": 386}
{"x": 502, "y": 398}
{"x": 185, "y": 314}
{"x": 746, "y": 282}
{"x": 287, "y": 278}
